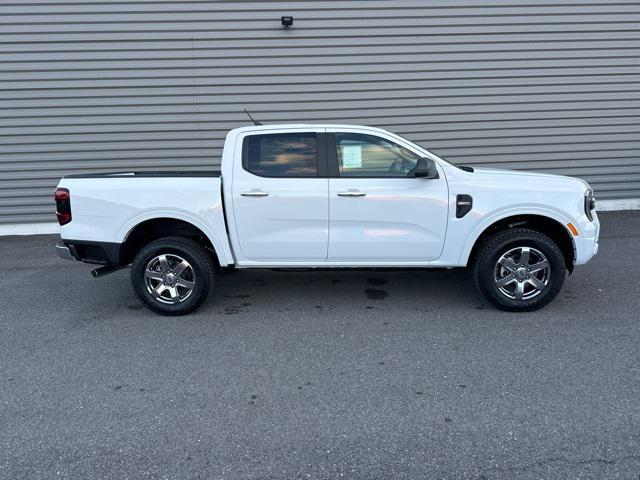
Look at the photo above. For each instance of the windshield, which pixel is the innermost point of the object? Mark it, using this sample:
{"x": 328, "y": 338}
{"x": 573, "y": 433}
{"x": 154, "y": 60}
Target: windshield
{"x": 428, "y": 150}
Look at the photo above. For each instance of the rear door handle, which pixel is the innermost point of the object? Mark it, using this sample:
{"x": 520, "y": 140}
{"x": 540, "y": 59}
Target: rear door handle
{"x": 352, "y": 193}
{"x": 254, "y": 193}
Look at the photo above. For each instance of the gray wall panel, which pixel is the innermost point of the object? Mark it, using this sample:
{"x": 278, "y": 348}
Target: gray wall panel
{"x": 99, "y": 85}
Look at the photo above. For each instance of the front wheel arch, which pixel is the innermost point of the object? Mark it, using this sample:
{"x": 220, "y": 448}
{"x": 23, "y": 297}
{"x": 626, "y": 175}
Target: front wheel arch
{"x": 539, "y": 223}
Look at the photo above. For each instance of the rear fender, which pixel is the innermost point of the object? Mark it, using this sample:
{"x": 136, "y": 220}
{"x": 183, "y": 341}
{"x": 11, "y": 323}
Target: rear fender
{"x": 222, "y": 250}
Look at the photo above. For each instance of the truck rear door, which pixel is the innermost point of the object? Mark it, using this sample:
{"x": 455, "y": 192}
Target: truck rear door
{"x": 280, "y": 197}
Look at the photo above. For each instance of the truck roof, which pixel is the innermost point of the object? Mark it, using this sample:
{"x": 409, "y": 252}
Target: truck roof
{"x": 282, "y": 126}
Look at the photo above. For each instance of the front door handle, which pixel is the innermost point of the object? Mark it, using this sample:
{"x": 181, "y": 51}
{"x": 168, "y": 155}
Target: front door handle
{"x": 352, "y": 193}
{"x": 254, "y": 193}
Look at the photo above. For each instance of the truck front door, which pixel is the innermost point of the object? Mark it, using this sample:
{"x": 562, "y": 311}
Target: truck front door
{"x": 379, "y": 213}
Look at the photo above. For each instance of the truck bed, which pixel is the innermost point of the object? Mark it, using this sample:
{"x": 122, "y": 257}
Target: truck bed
{"x": 158, "y": 174}
{"x": 107, "y": 206}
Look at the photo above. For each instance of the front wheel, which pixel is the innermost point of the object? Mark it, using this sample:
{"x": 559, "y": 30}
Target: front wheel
{"x": 172, "y": 275}
{"x": 519, "y": 270}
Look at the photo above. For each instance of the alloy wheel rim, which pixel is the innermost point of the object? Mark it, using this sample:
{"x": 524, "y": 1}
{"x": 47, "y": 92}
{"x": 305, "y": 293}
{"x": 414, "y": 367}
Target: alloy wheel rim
{"x": 169, "y": 278}
{"x": 522, "y": 273}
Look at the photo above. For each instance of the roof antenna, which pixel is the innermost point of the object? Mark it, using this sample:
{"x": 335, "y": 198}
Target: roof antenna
{"x": 254, "y": 122}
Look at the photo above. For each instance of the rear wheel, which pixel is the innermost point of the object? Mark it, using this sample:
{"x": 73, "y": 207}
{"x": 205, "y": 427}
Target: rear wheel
{"x": 519, "y": 270}
{"x": 172, "y": 275}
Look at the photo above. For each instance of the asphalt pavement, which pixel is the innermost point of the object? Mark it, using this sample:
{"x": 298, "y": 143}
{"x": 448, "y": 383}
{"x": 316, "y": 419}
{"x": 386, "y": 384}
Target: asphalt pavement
{"x": 322, "y": 375}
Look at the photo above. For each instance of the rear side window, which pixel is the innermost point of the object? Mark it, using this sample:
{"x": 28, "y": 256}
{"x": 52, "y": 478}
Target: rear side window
{"x": 281, "y": 155}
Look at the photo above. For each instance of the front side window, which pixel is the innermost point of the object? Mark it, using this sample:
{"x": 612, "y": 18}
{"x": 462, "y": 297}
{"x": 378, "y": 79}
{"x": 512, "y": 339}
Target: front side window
{"x": 282, "y": 155}
{"x": 361, "y": 155}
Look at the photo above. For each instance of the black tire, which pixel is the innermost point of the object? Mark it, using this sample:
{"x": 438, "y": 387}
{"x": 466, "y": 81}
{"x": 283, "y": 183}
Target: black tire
{"x": 175, "y": 297}
{"x": 488, "y": 274}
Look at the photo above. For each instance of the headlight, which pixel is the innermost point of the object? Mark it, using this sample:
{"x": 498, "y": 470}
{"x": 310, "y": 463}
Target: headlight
{"x": 589, "y": 203}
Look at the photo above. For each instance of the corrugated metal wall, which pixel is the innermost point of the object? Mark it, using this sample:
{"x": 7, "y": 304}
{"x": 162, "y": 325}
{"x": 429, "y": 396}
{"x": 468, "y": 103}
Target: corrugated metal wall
{"x": 95, "y": 85}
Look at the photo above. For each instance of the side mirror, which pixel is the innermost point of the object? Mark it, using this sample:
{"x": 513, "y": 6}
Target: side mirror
{"x": 425, "y": 168}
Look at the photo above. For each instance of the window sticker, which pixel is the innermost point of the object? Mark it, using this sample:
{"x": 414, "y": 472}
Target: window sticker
{"x": 351, "y": 156}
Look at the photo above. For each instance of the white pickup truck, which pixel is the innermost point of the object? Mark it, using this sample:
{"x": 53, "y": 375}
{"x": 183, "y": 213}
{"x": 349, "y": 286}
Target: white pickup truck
{"x": 328, "y": 196}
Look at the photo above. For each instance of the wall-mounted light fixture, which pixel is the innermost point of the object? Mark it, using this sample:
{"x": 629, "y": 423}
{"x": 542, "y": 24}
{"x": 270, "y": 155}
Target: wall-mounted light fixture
{"x": 287, "y": 21}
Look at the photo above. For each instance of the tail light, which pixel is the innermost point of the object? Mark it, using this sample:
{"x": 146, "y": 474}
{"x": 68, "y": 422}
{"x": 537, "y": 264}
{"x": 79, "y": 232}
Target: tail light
{"x": 63, "y": 205}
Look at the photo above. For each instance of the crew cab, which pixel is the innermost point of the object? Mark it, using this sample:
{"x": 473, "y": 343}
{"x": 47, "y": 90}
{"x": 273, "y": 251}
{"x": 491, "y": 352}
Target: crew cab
{"x": 328, "y": 196}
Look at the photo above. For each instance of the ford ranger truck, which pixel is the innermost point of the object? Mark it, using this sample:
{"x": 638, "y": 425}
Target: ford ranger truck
{"x": 328, "y": 196}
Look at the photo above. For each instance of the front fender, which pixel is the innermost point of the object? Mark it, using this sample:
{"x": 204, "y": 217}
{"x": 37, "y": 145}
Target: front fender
{"x": 544, "y": 211}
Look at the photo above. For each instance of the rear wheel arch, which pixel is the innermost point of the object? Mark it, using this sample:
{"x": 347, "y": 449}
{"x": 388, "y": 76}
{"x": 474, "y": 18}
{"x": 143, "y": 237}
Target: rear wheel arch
{"x": 540, "y": 223}
{"x": 155, "y": 228}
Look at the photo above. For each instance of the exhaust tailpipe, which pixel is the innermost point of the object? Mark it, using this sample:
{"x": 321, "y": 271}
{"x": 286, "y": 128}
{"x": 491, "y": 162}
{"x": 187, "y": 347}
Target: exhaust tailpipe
{"x": 102, "y": 271}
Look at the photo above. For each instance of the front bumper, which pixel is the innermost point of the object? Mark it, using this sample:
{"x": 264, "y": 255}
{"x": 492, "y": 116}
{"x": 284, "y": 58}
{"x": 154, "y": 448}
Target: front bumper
{"x": 587, "y": 243}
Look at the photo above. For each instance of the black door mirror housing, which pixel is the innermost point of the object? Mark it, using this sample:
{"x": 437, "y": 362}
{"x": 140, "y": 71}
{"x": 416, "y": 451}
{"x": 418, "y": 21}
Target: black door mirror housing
{"x": 425, "y": 168}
